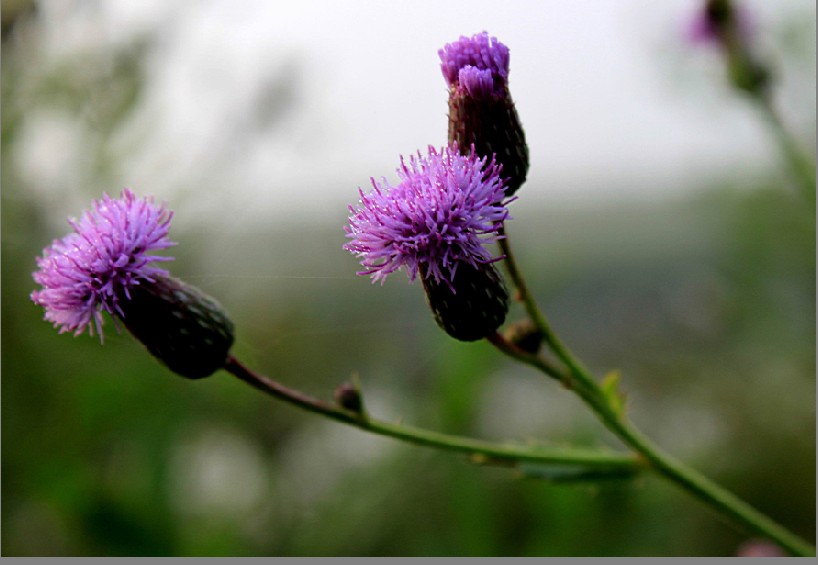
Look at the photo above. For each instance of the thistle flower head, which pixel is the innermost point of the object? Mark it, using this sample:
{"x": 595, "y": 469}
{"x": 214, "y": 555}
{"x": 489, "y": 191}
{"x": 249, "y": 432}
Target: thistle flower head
{"x": 478, "y": 51}
{"x": 104, "y": 265}
{"x": 90, "y": 270}
{"x": 481, "y": 112}
{"x": 441, "y": 213}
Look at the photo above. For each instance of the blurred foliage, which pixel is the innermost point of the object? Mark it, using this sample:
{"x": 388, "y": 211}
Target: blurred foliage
{"x": 706, "y": 304}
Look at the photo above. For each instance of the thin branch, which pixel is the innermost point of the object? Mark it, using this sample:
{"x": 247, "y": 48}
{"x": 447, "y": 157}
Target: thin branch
{"x": 480, "y": 451}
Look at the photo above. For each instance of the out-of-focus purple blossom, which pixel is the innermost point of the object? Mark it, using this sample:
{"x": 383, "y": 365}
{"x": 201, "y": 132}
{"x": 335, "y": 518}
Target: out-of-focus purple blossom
{"x": 90, "y": 270}
{"x": 719, "y": 22}
{"x": 759, "y": 548}
{"x": 730, "y": 27}
{"x": 443, "y": 211}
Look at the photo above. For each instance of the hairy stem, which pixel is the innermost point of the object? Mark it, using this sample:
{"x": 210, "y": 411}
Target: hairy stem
{"x": 586, "y": 386}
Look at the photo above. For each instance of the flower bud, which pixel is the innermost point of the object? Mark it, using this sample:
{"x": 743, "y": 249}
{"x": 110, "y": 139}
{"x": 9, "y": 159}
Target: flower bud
{"x": 348, "y": 396}
{"x": 481, "y": 112}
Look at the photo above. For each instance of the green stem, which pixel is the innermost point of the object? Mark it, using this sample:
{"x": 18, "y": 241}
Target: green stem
{"x": 719, "y": 499}
{"x": 690, "y": 480}
{"x": 480, "y": 451}
{"x": 525, "y": 296}
{"x": 577, "y": 371}
{"x": 801, "y": 166}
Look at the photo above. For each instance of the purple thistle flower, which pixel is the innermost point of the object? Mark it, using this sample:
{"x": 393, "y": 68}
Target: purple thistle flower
{"x": 440, "y": 215}
{"x": 104, "y": 265}
{"x": 481, "y": 111}
{"x": 93, "y": 268}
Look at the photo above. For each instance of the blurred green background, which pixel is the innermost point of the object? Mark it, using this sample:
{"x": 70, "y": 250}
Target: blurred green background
{"x": 705, "y": 301}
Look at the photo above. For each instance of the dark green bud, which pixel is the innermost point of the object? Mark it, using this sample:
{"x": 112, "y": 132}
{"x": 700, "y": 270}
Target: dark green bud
{"x": 348, "y": 396}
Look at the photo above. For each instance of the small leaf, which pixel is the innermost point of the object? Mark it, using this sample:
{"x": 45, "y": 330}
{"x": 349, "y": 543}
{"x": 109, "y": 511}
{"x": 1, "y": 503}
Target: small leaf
{"x": 611, "y": 392}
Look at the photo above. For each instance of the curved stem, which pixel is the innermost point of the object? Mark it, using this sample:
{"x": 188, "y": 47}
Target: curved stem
{"x": 480, "y": 451}
{"x": 690, "y": 480}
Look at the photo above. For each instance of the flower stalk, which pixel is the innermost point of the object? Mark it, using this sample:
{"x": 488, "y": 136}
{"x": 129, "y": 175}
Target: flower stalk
{"x": 479, "y": 451}
{"x": 579, "y": 379}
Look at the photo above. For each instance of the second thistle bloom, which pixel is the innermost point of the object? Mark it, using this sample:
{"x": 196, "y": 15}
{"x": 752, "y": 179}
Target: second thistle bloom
{"x": 443, "y": 211}
{"x": 481, "y": 112}
{"x": 435, "y": 222}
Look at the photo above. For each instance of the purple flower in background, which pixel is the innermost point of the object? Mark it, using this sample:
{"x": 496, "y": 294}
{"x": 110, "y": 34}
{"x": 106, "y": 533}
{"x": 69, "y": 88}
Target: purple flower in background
{"x": 93, "y": 268}
{"x": 729, "y": 26}
{"x": 440, "y": 215}
{"x": 481, "y": 111}
{"x": 720, "y": 22}
{"x": 759, "y": 548}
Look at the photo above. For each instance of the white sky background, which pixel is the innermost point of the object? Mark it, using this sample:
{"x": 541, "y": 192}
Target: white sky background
{"x": 610, "y": 96}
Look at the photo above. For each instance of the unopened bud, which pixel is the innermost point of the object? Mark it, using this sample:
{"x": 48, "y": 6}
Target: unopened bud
{"x": 348, "y": 396}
